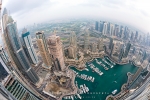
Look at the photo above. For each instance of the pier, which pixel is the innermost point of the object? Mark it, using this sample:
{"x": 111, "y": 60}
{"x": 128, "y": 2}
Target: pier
{"x": 96, "y": 69}
{"x": 111, "y": 66}
{"x": 101, "y": 64}
{"x": 110, "y": 61}
{"x": 84, "y": 77}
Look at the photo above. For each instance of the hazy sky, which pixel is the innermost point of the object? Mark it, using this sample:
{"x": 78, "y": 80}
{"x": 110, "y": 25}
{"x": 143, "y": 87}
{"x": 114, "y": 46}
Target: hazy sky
{"x": 133, "y": 12}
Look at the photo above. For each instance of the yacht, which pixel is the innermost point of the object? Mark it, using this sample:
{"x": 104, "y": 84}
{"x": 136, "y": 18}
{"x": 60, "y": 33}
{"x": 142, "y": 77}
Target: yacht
{"x": 79, "y": 96}
{"x": 111, "y": 66}
{"x": 86, "y": 69}
{"x": 114, "y": 92}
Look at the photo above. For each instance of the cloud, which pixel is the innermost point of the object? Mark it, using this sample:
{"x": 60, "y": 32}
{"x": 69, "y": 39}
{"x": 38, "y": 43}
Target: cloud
{"x": 133, "y": 12}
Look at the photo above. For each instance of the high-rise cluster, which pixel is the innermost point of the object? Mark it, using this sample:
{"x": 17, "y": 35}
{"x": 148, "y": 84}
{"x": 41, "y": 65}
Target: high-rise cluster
{"x": 15, "y": 49}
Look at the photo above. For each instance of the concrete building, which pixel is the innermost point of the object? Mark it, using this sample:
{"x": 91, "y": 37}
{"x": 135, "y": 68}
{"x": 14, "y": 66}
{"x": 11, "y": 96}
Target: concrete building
{"x": 55, "y": 47}
{"x": 100, "y": 44}
{"x": 128, "y": 46}
{"x": 4, "y": 55}
{"x": 105, "y": 28}
{"x": 11, "y": 88}
{"x": 122, "y": 33}
{"x": 132, "y": 36}
{"x": 17, "y": 90}
{"x": 14, "y": 48}
{"x": 136, "y": 36}
{"x": 86, "y": 40}
{"x": 121, "y": 53}
{"x": 72, "y": 50}
{"x": 116, "y": 32}
{"x": 112, "y": 29}
{"x": 96, "y": 25}
{"x": 28, "y": 47}
{"x": 101, "y": 24}
{"x": 43, "y": 49}
{"x": 94, "y": 47}
{"x": 110, "y": 42}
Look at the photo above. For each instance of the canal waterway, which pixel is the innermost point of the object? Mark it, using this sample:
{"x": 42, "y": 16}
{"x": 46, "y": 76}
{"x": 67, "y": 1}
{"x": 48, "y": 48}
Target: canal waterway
{"x": 103, "y": 85}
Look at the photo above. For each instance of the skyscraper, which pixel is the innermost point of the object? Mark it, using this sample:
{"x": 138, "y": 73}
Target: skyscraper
{"x": 122, "y": 33}
{"x": 94, "y": 47}
{"x": 111, "y": 29}
{"x": 121, "y": 53}
{"x": 101, "y": 24}
{"x": 28, "y": 47}
{"x": 73, "y": 46}
{"x": 11, "y": 88}
{"x": 105, "y": 29}
{"x": 43, "y": 49}
{"x": 4, "y": 55}
{"x": 128, "y": 46}
{"x": 96, "y": 25}
{"x": 136, "y": 36}
{"x": 110, "y": 42}
{"x": 116, "y": 31}
{"x": 86, "y": 40}
{"x": 73, "y": 39}
{"x": 132, "y": 36}
{"x": 15, "y": 48}
{"x": 55, "y": 47}
{"x": 111, "y": 49}
{"x": 100, "y": 44}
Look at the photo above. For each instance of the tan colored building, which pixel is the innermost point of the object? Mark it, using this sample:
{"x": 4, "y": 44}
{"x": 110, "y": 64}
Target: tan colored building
{"x": 43, "y": 49}
{"x": 100, "y": 44}
{"x": 73, "y": 46}
{"x": 55, "y": 47}
{"x": 72, "y": 52}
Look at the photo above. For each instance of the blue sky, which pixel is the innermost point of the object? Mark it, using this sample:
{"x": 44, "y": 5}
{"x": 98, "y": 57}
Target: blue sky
{"x": 133, "y": 12}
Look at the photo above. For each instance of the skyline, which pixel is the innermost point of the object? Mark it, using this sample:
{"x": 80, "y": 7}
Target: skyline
{"x": 131, "y": 12}
{"x": 75, "y": 63}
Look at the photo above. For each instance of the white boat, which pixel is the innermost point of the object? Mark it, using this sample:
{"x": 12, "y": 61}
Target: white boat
{"x": 114, "y": 92}
{"x": 79, "y": 96}
{"x": 86, "y": 69}
{"x": 111, "y": 66}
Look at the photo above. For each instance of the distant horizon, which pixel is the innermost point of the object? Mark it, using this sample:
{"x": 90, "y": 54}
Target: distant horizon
{"x": 133, "y": 13}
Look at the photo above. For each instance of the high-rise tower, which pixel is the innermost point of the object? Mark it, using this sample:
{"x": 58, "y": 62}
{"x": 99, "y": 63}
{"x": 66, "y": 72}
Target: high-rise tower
{"x": 101, "y": 24}
{"x": 55, "y": 47}
{"x": 136, "y": 36}
{"x": 28, "y": 47}
{"x": 128, "y": 46}
{"x": 105, "y": 29}
{"x": 111, "y": 29}
{"x": 96, "y": 25}
{"x": 94, "y": 47}
{"x": 11, "y": 88}
{"x": 43, "y": 49}
{"x": 73, "y": 46}
{"x": 100, "y": 44}
{"x": 15, "y": 49}
{"x": 86, "y": 40}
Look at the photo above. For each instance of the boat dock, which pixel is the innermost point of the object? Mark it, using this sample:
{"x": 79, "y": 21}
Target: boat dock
{"x": 101, "y": 64}
{"x": 111, "y": 65}
{"x": 86, "y": 77}
{"x": 96, "y": 69}
{"x": 111, "y": 61}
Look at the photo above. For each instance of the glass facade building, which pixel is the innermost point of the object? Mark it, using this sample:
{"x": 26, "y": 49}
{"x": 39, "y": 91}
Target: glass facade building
{"x": 16, "y": 51}
{"x": 14, "y": 41}
{"x": 28, "y": 47}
